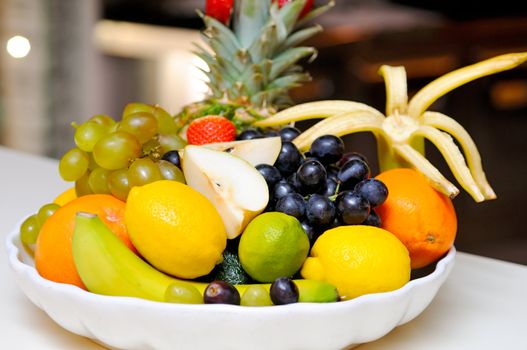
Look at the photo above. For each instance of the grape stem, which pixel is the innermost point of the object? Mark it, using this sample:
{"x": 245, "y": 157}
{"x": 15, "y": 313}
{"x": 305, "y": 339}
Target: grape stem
{"x": 334, "y": 197}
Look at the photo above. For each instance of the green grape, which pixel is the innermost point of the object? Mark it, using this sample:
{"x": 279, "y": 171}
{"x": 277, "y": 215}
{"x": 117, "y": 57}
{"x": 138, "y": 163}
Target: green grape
{"x": 114, "y": 127}
{"x": 92, "y": 165}
{"x": 170, "y": 142}
{"x": 256, "y": 295}
{"x": 167, "y": 124}
{"x": 82, "y": 187}
{"x": 134, "y": 107}
{"x": 143, "y": 171}
{"x": 183, "y": 294}
{"x": 102, "y": 119}
{"x": 142, "y": 125}
{"x": 29, "y": 230}
{"x": 114, "y": 151}
{"x": 46, "y": 211}
{"x": 87, "y": 135}
{"x": 118, "y": 184}
{"x": 151, "y": 147}
{"x": 98, "y": 181}
{"x": 73, "y": 164}
{"x": 170, "y": 172}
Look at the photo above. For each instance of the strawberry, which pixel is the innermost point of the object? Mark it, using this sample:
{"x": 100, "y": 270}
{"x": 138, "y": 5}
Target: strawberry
{"x": 219, "y": 9}
{"x": 307, "y": 7}
{"x": 210, "y": 129}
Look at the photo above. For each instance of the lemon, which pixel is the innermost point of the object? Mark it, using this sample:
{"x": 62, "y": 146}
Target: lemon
{"x": 273, "y": 245}
{"x": 65, "y": 197}
{"x": 358, "y": 260}
{"x": 175, "y": 228}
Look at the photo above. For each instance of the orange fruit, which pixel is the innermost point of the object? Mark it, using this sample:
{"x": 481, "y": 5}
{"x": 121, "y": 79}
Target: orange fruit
{"x": 421, "y": 217}
{"x": 53, "y": 252}
{"x": 66, "y": 196}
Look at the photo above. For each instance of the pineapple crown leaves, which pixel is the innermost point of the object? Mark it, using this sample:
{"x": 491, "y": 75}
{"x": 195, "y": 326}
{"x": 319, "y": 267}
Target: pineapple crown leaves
{"x": 257, "y": 61}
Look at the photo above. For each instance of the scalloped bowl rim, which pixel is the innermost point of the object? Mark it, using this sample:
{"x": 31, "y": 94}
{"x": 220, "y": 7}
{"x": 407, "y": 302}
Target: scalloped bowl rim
{"x": 24, "y": 271}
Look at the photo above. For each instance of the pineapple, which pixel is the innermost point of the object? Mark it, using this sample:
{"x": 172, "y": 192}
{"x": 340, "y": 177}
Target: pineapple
{"x": 252, "y": 67}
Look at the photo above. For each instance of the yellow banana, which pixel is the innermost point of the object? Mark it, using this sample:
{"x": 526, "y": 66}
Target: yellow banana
{"x": 401, "y": 133}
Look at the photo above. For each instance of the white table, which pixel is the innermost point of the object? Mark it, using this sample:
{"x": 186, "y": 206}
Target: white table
{"x": 483, "y": 304}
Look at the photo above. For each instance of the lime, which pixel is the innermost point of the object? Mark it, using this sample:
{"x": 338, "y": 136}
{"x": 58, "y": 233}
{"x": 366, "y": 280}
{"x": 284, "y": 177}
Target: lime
{"x": 273, "y": 245}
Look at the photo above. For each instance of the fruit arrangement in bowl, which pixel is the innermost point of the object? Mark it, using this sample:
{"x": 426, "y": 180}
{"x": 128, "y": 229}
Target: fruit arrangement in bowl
{"x": 228, "y": 203}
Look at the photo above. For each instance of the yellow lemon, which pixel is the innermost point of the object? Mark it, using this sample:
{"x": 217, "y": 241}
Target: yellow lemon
{"x": 65, "y": 197}
{"x": 358, "y": 260}
{"x": 273, "y": 245}
{"x": 175, "y": 228}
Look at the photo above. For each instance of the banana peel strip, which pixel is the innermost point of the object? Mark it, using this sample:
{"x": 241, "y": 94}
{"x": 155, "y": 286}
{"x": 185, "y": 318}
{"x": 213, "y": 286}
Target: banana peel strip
{"x": 472, "y": 156}
{"x": 448, "y": 82}
{"x": 421, "y": 164}
{"x": 454, "y": 159}
{"x": 340, "y": 125}
{"x": 396, "y": 89}
{"x": 315, "y": 110}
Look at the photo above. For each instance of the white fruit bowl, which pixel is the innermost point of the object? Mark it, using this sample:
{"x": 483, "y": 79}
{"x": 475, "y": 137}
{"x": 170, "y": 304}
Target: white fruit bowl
{"x": 130, "y": 323}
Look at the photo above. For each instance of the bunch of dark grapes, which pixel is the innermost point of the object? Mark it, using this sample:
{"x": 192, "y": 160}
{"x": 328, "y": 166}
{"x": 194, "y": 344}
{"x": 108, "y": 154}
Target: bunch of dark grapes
{"x": 323, "y": 188}
{"x": 111, "y": 157}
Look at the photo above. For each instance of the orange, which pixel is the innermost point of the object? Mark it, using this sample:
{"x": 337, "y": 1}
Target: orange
{"x": 421, "y": 217}
{"x": 66, "y": 196}
{"x": 53, "y": 252}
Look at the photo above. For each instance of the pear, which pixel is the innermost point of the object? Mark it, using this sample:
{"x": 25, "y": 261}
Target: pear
{"x": 234, "y": 186}
{"x": 256, "y": 151}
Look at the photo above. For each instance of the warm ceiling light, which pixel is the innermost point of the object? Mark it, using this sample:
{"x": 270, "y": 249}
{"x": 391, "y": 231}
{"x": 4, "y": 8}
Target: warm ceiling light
{"x": 18, "y": 46}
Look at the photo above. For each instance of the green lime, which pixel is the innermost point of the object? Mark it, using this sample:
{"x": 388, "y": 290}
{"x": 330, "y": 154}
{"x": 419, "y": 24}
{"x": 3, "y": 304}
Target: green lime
{"x": 273, "y": 245}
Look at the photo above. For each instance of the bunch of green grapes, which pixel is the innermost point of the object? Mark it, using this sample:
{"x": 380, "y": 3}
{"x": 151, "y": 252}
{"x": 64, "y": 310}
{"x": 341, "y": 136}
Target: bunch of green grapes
{"x": 111, "y": 157}
{"x": 31, "y": 226}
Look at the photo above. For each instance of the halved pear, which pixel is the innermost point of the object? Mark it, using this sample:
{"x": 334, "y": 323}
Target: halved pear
{"x": 237, "y": 190}
{"x": 256, "y": 151}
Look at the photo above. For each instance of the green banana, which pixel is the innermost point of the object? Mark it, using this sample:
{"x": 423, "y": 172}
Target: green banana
{"x": 108, "y": 267}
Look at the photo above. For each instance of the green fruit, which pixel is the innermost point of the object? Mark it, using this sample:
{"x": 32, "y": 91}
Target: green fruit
{"x": 256, "y": 295}
{"x": 29, "y": 230}
{"x": 46, "y": 211}
{"x": 106, "y": 266}
{"x": 183, "y": 293}
{"x": 273, "y": 245}
{"x": 73, "y": 164}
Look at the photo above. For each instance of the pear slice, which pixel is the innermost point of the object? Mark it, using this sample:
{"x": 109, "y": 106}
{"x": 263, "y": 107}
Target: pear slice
{"x": 256, "y": 151}
{"x": 237, "y": 190}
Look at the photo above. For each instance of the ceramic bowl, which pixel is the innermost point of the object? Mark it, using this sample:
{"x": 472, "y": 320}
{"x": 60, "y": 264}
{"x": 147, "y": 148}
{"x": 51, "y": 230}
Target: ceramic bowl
{"x": 131, "y": 323}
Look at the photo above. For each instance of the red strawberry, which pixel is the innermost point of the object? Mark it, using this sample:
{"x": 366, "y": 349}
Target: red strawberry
{"x": 210, "y": 129}
{"x": 219, "y": 9}
{"x": 307, "y": 7}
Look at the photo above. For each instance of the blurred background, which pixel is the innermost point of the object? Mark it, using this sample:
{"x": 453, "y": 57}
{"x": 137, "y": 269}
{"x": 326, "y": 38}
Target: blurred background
{"x": 64, "y": 61}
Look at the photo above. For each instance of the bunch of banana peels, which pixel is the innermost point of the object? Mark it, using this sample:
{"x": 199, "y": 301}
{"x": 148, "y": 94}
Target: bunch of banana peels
{"x": 400, "y": 134}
